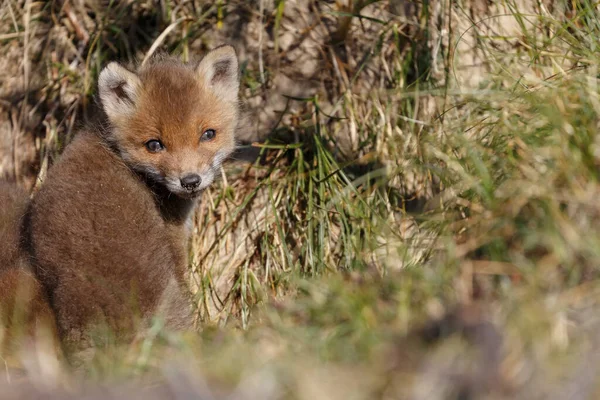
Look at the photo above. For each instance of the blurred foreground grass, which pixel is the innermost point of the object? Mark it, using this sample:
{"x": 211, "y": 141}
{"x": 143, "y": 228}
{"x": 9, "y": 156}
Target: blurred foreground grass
{"x": 400, "y": 233}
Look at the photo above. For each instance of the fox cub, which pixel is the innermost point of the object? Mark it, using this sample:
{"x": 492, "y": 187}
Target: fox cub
{"x": 109, "y": 227}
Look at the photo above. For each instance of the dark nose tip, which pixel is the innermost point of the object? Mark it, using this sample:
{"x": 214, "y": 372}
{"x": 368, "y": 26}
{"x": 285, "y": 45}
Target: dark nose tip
{"x": 191, "y": 181}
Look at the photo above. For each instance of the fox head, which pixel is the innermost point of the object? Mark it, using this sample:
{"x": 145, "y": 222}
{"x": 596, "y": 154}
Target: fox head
{"x": 174, "y": 122}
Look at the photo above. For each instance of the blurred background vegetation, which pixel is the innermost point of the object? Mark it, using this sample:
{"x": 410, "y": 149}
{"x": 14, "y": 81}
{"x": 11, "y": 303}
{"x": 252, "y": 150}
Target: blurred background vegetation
{"x": 412, "y": 212}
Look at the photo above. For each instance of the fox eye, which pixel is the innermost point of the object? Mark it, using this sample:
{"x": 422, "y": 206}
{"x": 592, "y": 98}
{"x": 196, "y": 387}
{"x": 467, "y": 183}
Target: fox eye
{"x": 154, "y": 146}
{"x": 208, "y": 134}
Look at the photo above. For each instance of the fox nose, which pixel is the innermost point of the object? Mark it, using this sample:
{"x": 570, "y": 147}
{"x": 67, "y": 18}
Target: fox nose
{"x": 191, "y": 181}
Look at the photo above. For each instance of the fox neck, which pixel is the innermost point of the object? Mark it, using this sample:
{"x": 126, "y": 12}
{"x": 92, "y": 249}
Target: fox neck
{"x": 174, "y": 209}
{"x": 177, "y": 210}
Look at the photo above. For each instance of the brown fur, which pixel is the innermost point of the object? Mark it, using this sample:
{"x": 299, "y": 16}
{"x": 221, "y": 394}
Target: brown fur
{"x": 25, "y": 315}
{"x": 13, "y": 202}
{"x": 26, "y": 319}
{"x": 108, "y": 227}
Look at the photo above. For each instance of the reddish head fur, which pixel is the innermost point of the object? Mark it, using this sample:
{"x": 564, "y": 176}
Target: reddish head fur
{"x": 174, "y": 104}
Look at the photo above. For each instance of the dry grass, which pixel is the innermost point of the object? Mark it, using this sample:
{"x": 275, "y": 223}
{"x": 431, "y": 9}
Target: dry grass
{"x": 418, "y": 220}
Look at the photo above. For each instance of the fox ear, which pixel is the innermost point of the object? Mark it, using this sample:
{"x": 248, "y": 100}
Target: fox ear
{"x": 118, "y": 90}
{"x": 219, "y": 71}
